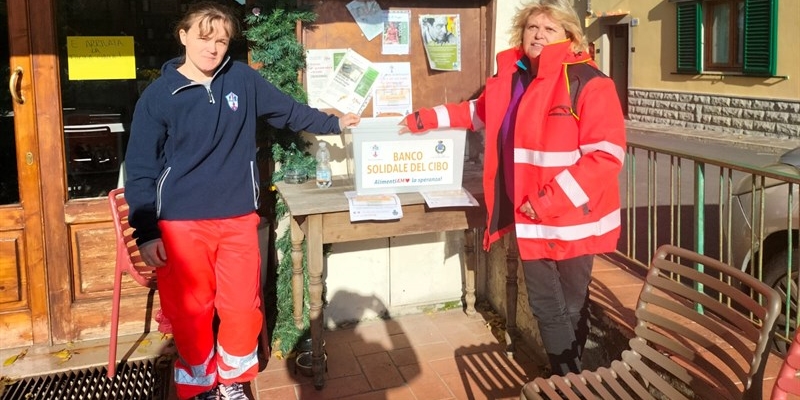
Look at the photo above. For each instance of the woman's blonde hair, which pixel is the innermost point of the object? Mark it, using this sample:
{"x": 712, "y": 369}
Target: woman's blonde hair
{"x": 208, "y": 12}
{"x": 560, "y": 11}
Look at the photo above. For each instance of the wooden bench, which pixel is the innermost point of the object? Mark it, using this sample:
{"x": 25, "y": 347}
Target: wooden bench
{"x": 699, "y": 335}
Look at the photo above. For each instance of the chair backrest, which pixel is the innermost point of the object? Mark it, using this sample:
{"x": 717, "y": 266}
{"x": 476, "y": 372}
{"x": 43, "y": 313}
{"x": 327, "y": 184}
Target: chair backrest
{"x": 128, "y": 258}
{"x": 688, "y": 318}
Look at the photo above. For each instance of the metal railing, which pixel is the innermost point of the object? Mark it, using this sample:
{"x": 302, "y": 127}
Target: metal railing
{"x": 742, "y": 215}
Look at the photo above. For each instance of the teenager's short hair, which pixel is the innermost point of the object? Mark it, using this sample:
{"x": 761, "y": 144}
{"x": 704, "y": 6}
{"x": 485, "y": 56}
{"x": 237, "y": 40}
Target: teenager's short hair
{"x": 208, "y": 12}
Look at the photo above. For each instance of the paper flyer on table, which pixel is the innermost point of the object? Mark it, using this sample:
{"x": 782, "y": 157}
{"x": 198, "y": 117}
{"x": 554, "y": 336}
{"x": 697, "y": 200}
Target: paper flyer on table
{"x": 449, "y": 198}
{"x": 350, "y": 87}
{"x": 320, "y": 64}
{"x": 373, "y": 206}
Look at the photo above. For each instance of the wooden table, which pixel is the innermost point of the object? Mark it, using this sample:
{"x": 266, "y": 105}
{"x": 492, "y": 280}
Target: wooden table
{"x": 322, "y": 216}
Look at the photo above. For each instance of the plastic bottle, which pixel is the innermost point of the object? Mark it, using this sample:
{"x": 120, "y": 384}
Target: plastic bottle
{"x": 324, "y": 174}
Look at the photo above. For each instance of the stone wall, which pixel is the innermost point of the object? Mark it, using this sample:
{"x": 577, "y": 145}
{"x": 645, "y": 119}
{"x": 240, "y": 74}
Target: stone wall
{"x": 728, "y": 114}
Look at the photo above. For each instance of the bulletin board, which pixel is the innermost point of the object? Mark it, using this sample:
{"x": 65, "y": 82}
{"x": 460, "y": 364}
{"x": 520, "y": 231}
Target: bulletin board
{"x": 335, "y": 28}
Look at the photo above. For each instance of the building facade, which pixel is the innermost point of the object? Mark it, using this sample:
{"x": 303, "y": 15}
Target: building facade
{"x": 720, "y": 65}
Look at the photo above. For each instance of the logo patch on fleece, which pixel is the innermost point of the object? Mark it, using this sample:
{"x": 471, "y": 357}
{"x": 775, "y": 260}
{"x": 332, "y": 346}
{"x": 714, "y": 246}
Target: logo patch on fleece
{"x": 233, "y": 101}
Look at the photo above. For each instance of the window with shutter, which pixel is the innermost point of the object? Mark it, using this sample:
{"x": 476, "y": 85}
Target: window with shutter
{"x": 727, "y": 36}
{"x": 760, "y": 37}
{"x": 689, "y": 17}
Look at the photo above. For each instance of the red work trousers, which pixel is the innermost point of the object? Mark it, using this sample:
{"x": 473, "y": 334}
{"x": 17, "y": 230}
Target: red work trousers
{"x": 213, "y": 268}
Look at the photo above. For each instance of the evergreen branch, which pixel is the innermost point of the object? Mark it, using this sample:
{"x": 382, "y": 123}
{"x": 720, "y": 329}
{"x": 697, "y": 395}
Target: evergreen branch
{"x": 275, "y": 49}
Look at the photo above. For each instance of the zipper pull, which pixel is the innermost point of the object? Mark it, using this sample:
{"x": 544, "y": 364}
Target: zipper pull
{"x": 210, "y": 96}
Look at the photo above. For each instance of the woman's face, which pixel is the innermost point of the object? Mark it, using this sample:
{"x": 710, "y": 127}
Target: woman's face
{"x": 205, "y": 50}
{"x": 539, "y": 32}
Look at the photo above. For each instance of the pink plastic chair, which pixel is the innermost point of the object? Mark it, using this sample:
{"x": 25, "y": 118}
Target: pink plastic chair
{"x": 129, "y": 261}
{"x": 788, "y": 382}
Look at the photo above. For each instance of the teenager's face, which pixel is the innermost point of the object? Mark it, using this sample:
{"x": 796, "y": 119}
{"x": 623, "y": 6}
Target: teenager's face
{"x": 205, "y": 50}
{"x": 539, "y": 32}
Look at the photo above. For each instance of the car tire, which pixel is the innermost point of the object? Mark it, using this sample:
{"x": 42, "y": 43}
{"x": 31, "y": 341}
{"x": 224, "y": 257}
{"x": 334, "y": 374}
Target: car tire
{"x": 775, "y": 276}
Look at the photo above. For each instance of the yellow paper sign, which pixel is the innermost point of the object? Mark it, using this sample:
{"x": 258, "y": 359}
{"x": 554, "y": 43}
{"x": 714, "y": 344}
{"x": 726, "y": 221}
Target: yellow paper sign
{"x": 100, "y": 57}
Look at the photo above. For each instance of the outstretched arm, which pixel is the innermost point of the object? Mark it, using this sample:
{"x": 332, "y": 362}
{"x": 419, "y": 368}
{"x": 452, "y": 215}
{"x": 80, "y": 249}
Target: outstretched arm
{"x": 466, "y": 114}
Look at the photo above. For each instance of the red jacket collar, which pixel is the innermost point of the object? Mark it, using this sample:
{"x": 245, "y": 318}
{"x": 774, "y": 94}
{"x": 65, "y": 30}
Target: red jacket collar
{"x": 553, "y": 57}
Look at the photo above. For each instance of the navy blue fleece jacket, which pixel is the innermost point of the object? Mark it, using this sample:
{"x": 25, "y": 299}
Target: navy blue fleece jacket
{"x": 192, "y": 151}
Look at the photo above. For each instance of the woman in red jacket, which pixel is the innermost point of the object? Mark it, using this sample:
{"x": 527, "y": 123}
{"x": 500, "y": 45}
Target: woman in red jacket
{"x": 555, "y": 143}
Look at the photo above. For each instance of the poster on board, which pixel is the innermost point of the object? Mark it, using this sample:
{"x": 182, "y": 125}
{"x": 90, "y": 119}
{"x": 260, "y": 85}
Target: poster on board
{"x": 441, "y": 36}
{"x": 351, "y": 86}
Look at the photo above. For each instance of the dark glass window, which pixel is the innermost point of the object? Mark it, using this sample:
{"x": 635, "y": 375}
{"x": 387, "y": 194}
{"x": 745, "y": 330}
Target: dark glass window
{"x": 9, "y": 186}
{"x": 97, "y": 112}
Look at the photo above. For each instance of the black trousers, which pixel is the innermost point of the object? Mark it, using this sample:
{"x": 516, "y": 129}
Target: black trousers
{"x": 558, "y": 294}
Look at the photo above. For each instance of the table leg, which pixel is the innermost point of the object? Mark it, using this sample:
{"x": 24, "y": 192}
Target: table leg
{"x": 297, "y": 236}
{"x": 512, "y": 264}
{"x": 470, "y": 261}
{"x": 315, "y": 266}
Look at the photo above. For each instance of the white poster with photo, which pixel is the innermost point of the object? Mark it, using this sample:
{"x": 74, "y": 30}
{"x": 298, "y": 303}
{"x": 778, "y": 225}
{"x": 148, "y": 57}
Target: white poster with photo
{"x": 396, "y": 32}
{"x": 351, "y": 86}
{"x": 320, "y": 64}
{"x": 441, "y": 36}
{"x": 392, "y": 95}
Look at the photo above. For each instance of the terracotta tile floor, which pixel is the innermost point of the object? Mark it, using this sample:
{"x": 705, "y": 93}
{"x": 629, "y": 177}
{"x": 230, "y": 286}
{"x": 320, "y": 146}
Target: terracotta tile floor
{"x": 441, "y": 355}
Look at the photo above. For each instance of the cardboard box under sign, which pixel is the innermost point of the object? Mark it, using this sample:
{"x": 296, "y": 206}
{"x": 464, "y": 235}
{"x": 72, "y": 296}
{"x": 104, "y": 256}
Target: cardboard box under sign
{"x": 383, "y": 161}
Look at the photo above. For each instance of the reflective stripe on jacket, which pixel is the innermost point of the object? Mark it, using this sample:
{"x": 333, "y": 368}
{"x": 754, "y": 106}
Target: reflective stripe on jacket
{"x": 565, "y": 164}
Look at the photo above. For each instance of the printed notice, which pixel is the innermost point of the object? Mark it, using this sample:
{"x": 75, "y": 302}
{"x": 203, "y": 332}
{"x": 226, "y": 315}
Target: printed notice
{"x": 419, "y": 162}
{"x": 449, "y": 198}
{"x": 100, "y": 57}
{"x": 373, "y": 206}
{"x": 392, "y": 95}
{"x": 320, "y": 64}
{"x": 396, "y": 32}
{"x": 350, "y": 88}
{"x": 368, "y": 16}
{"x": 441, "y": 36}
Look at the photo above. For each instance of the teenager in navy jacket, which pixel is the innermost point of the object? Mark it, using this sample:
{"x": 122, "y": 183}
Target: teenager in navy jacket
{"x": 193, "y": 189}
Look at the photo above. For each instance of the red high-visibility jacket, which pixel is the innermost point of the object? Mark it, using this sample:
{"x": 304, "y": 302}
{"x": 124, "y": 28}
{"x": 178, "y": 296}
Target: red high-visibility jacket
{"x": 566, "y": 159}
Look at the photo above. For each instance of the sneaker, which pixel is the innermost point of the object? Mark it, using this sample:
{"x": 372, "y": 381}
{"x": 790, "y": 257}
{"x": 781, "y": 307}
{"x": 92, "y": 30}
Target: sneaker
{"x": 234, "y": 391}
{"x": 212, "y": 394}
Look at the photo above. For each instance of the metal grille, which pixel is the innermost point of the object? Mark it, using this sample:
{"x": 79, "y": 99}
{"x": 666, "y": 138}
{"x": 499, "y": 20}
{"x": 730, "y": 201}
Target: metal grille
{"x": 137, "y": 380}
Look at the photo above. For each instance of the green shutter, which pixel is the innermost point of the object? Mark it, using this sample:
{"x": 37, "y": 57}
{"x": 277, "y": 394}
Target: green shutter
{"x": 689, "y": 18}
{"x": 760, "y": 44}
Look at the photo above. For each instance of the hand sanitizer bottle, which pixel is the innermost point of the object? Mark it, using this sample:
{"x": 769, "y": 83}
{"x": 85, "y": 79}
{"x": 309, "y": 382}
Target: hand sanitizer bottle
{"x": 324, "y": 175}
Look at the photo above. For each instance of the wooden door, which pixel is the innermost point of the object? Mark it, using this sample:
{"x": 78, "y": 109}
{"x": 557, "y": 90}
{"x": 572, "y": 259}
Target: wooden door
{"x": 23, "y": 284}
{"x": 61, "y": 151}
{"x": 85, "y": 151}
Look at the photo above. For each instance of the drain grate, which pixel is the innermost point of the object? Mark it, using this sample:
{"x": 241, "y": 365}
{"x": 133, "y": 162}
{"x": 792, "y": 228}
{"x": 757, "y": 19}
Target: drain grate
{"x": 136, "y": 380}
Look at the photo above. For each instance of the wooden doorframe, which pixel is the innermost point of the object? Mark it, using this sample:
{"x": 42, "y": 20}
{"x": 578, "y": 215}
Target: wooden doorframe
{"x": 44, "y": 50}
{"x": 23, "y": 223}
